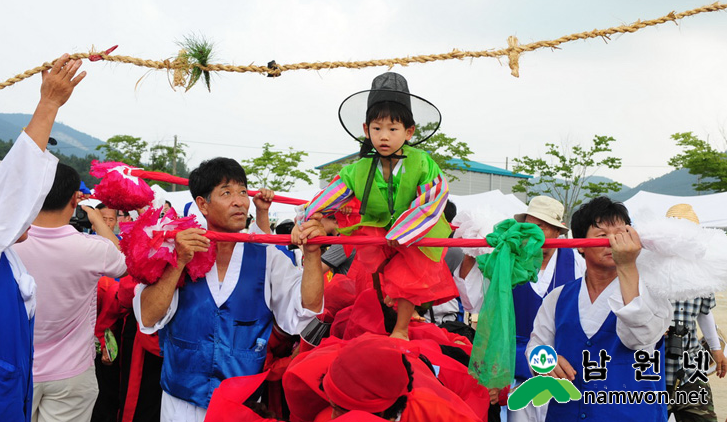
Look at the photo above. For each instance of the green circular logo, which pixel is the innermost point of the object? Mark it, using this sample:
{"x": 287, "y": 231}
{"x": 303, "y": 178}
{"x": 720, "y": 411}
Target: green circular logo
{"x": 543, "y": 359}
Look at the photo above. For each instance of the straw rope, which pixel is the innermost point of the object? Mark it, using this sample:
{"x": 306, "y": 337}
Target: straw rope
{"x": 512, "y": 52}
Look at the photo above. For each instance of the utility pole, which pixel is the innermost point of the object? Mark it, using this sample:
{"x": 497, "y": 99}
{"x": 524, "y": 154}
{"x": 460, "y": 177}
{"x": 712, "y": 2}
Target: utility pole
{"x": 174, "y": 163}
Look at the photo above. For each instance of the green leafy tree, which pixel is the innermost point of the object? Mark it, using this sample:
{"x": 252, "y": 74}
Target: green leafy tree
{"x": 564, "y": 173}
{"x": 276, "y": 170}
{"x": 5, "y": 148}
{"x": 441, "y": 148}
{"x": 330, "y": 171}
{"x": 132, "y": 151}
{"x": 701, "y": 159}
{"x": 124, "y": 148}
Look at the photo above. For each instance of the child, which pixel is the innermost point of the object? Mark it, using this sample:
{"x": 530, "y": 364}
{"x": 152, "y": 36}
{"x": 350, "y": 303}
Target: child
{"x": 402, "y": 193}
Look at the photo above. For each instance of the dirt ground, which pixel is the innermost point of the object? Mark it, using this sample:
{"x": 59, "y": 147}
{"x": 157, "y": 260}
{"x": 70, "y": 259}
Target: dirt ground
{"x": 719, "y": 385}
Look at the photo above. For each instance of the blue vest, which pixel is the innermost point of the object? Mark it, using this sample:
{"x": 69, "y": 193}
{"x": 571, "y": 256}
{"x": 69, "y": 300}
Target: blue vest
{"x": 203, "y": 344}
{"x": 527, "y": 303}
{"x": 571, "y": 341}
{"x": 16, "y": 349}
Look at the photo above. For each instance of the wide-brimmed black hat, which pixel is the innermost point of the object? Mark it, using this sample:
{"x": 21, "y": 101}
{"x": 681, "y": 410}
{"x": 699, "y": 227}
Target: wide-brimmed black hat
{"x": 389, "y": 86}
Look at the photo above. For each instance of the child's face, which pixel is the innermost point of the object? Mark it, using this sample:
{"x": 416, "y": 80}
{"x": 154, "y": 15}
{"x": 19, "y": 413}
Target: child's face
{"x": 388, "y": 137}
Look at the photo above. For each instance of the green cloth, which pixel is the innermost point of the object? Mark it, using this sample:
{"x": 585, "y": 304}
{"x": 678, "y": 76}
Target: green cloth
{"x": 516, "y": 259}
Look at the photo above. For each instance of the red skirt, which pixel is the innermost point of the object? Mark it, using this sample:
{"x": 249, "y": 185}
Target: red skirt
{"x": 407, "y": 272}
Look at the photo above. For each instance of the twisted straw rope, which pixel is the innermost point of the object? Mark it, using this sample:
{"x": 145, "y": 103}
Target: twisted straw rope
{"x": 513, "y": 52}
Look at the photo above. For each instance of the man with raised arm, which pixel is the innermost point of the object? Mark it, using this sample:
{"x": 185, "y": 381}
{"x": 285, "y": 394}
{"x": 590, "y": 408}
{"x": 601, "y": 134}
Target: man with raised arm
{"x": 26, "y": 176}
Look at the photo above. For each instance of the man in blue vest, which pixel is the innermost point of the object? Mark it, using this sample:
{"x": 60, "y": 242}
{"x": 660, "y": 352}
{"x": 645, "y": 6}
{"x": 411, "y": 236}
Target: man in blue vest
{"x": 26, "y": 176}
{"x": 601, "y": 323}
{"x": 560, "y": 266}
{"x": 218, "y": 327}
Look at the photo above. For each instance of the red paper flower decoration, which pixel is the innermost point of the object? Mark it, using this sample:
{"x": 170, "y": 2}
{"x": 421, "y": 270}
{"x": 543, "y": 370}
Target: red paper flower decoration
{"x": 118, "y": 189}
{"x": 148, "y": 252}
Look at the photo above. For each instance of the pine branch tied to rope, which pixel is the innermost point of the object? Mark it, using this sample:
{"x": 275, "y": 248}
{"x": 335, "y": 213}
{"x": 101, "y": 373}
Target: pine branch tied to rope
{"x": 192, "y": 63}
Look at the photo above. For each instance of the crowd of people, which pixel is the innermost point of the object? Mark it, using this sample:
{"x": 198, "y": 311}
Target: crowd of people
{"x": 311, "y": 333}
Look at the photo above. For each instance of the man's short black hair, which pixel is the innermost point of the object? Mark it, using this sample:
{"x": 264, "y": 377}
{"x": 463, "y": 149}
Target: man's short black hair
{"x": 211, "y": 173}
{"x": 598, "y": 210}
{"x": 65, "y": 185}
{"x": 450, "y": 211}
{"x": 101, "y": 206}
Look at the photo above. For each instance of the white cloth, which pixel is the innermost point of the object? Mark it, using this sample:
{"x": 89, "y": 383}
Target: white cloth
{"x": 282, "y": 296}
{"x": 473, "y": 287}
{"x": 639, "y": 325}
{"x": 26, "y": 282}
{"x": 26, "y": 176}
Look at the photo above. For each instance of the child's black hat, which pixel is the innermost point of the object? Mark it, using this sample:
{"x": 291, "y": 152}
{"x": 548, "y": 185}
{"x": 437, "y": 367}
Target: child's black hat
{"x": 392, "y": 87}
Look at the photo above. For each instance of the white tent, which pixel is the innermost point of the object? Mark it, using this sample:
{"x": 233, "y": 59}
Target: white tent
{"x": 711, "y": 209}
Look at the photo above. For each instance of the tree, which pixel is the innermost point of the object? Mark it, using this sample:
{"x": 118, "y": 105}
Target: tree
{"x": 701, "y": 159}
{"x": 125, "y": 149}
{"x": 130, "y": 150}
{"x": 276, "y": 170}
{"x": 440, "y": 147}
{"x": 565, "y": 175}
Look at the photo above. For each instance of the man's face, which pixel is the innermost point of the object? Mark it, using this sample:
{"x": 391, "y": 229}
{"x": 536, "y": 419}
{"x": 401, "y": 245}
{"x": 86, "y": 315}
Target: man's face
{"x": 330, "y": 225}
{"x": 550, "y": 231}
{"x": 387, "y": 136}
{"x": 227, "y": 208}
{"x": 601, "y": 257}
{"x": 109, "y": 217}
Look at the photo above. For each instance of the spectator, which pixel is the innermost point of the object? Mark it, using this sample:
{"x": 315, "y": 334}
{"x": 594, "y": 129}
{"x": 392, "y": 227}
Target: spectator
{"x": 683, "y": 332}
{"x": 66, "y": 265}
{"x": 26, "y": 176}
{"x": 110, "y": 217}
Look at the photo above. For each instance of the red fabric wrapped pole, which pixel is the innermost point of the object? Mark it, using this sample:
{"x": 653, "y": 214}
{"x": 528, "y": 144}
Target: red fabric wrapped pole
{"x": 283, "y": 239}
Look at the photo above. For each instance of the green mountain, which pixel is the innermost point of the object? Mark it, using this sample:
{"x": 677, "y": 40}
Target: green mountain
{"x": 70, "y": 141}
{"x": 677, "y": 182}
{"x": 593, "y": 179}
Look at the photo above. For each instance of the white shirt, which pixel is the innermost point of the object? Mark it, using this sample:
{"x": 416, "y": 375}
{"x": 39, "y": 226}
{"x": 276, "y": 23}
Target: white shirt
{"x": 639, "y": 325}
{"x": 282, "y": 296}
{"x": 26, "y": 176}
{"x": 473, "y": 287}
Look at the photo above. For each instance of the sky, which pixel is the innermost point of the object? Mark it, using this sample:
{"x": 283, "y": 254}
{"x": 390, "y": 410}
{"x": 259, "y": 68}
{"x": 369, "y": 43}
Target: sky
{"x": 638, "y": 88}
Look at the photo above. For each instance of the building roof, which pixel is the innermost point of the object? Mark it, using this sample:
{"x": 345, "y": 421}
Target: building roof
{"x": 478, "y": 167}
{"x": 474, "y": 166}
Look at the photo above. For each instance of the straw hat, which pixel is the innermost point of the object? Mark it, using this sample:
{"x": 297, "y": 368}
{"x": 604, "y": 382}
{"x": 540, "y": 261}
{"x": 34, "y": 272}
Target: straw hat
{"x": 684, "y": 211}
{"x": 547, "y": 209}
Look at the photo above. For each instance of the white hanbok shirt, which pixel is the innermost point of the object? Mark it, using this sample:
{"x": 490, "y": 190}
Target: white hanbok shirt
{"x": 26, "y": 177}
{"x": 639, "y": 325}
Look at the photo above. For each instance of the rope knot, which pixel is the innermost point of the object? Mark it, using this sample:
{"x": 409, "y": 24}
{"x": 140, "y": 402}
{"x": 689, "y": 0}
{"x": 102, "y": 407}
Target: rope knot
{"x": 274, "y": 70}
{"x": 94, "y": 57}
{"x": 181, "y": 68}
{"x": 513, "y": 54}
